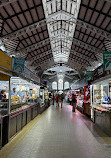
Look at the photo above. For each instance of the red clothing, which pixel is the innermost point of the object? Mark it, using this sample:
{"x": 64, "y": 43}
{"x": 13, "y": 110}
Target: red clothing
{"x": 57, "y": 97}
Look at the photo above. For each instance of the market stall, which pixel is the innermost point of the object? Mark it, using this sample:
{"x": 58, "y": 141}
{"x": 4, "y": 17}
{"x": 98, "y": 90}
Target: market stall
{"x": 87, "y": 109}
{"x": 5, "y": 74}
{"x": 80, "y": 99}
{"x": 42, "y": 99}
{"x": 46, "y": 97}
{"x": 101, "y": 104}
{"x": 24, "y": 104}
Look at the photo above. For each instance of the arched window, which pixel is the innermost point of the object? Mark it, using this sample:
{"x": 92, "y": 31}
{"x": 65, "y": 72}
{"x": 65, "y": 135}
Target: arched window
{"x": 60, "y": 84}
{"x": 54, "y": 85}
{"x": 66, "y": 85}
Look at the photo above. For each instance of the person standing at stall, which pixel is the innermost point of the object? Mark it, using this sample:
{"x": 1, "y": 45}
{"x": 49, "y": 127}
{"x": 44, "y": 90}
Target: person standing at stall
{"x": 1, "y": 95}
{"x": 73, "y": 102}
{"x": 14, "y": 91}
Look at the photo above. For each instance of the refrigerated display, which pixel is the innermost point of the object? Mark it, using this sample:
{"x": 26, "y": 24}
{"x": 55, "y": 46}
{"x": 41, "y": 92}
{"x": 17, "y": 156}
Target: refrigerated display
{"x": 101, "y": 105}
{"x": 42, "y": 97}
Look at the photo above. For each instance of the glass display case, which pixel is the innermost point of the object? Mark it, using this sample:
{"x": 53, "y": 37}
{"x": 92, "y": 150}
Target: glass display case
{"x": 23, "y": 93}
{"x": 101, "y": 96}
{"x": 87, "y": 100}
{"x": 80, "y": 98}
{"x": 101, "y": 105}
{"x": 42, "y": 97}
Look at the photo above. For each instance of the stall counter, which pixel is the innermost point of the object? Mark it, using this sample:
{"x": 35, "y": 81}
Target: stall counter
{"x": 102, "y": 117}
{"x": 19, "y": 118}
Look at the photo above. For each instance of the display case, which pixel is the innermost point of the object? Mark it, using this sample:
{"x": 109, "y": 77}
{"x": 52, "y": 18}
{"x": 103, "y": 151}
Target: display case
{"x": 87, "y": 101}
{"x": 42, "y": 97}
{"x": 101, "y": 105}
{"x": 4, "y": 97}
{"x": 80, "y": 99}
{"x": 101, "y": 96}
{"x": 23, "y": 94}
{"x": 24, "y": 104}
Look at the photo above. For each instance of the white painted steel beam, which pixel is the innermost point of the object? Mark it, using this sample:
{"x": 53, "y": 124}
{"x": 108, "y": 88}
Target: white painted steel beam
{"x": 55, "y": 17}
{"x": 83, "y": 64}
{"x": 40, "y": 56}
{"x": 25, "y": 50}
{"x": 44, "y": 62}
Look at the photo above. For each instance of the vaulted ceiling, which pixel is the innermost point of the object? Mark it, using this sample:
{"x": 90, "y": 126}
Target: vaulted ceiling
{"x": 49, "y": 32}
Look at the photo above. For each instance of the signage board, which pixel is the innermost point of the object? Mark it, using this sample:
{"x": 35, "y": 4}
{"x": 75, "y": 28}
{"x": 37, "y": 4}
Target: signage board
{"x": 89, "y": 75}
{"x": 107, "y": 61}
{"x": 5, "y": 61}
{"x": 99, "y": 72}
{"x": 18, "y": 65}
{"x": 30, "y": 75}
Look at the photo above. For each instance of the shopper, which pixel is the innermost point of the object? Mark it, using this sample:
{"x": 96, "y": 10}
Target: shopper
{"x": 1, "y": 95}
{"x": 70, "y": 99}
{"x": 62, "y": 98}
{"x": 73, "y": 102}
{"x": 57, "y": 100}
{"x": 53, "y": 97}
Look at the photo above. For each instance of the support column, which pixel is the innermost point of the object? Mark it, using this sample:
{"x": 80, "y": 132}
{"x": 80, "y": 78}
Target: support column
{"x": 57, "y": 86}
{"x": 9, "y": 105}
{"x": 63, "y": 86}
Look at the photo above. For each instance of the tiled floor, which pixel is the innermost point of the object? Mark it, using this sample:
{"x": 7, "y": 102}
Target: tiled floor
{"x": 59, "y": 133}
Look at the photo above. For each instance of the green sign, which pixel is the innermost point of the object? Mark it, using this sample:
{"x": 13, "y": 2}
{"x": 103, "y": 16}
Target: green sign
{"x": 89, "y": 75}
{"x": 18, "y": 65}
{"x": 107, "y": 61}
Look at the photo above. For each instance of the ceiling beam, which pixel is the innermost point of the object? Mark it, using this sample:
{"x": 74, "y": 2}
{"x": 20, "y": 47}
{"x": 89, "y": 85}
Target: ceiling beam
{"x": 38, "y": 56}
{"x": 79, "y": 62}
{"x": 80, "y": 55}
{"x": 90, "y": 27}
{"x": 5, "y": 2}
{"x": 58, "y": 16}
{"x": 24, "y": 51}
{"x": 12, "y": 36}
{"x": 45, "y": 62}
{"x": 70, "y": 18}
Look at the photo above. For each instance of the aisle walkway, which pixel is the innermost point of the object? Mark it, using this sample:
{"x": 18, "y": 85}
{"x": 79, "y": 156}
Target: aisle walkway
{"x": 59, "y": 133}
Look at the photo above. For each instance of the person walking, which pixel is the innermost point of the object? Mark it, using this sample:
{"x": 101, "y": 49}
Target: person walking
{"x": 70, "y": 99}
{"x": 62, "y": 97}
{"x": 53, "y": 97}
{"x": 73, "y": 102}
{"x": 57, "y": 100}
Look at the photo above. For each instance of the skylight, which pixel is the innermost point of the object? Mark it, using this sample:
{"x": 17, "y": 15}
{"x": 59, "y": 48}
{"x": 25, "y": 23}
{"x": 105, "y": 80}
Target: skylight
{"x": 61, "y": 27}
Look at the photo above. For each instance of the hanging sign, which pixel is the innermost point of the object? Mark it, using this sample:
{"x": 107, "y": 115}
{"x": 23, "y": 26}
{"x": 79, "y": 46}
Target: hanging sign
{"x": 107, "y": 61}
{"x": 30, "y": 75}
{"x": 89, "y": 75}
{"x": 18, "y": 65}
{"x": 5, "y": 61}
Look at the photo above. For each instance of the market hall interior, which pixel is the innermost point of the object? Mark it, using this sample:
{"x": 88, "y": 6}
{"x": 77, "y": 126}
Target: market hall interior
{"x": 55, "y": 78}
{"x": 59, "y": 133}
